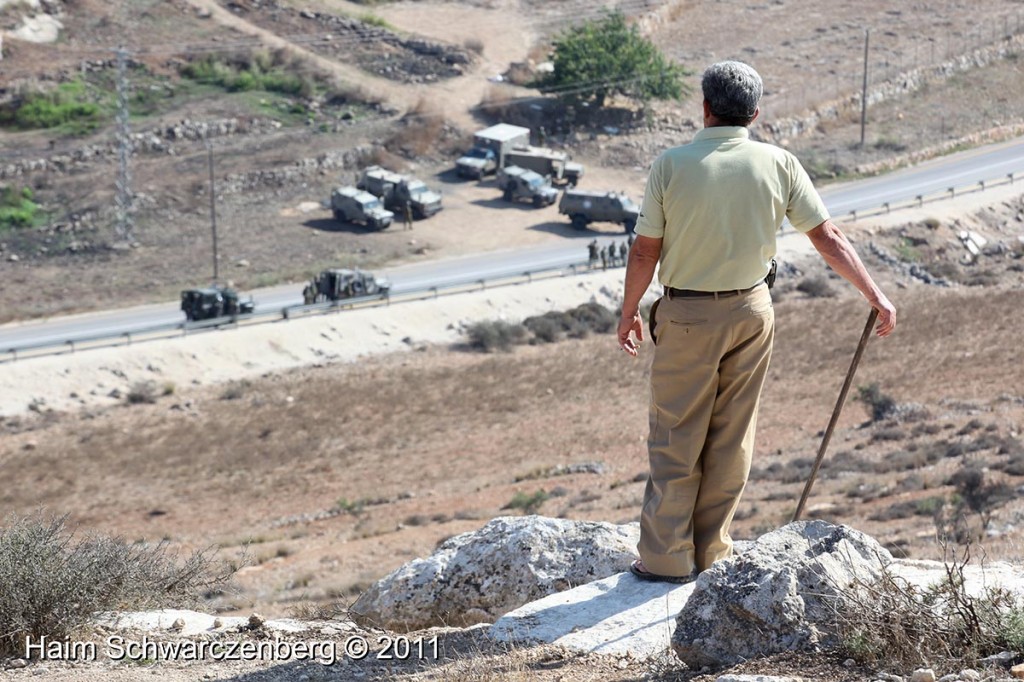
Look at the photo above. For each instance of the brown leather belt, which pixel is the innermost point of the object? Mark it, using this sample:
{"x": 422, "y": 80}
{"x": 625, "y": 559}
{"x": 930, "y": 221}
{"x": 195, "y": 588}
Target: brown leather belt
{"x": 672, "y": 292}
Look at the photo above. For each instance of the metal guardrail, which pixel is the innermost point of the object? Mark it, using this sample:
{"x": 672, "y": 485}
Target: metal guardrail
{"x": 922, "y": 199}
{"x": 165, "y": 331}
{"x": 178, "y": 329}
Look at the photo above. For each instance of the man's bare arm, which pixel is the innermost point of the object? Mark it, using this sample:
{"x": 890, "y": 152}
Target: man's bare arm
{"x": 643, "y": 260}
{"x": 840, "y": 255}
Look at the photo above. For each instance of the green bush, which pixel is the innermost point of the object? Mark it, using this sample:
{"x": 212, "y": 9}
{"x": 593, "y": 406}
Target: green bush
{"x": 53, "y": 583}
{"x": 66, "y": 105}
{"x": 17, "y": 209}
{"x": 260, "y": 71}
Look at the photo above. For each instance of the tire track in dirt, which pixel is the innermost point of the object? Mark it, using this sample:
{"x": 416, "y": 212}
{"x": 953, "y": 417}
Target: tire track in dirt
{"x": 454, "y": 98}
{"x": 399, "y": 96}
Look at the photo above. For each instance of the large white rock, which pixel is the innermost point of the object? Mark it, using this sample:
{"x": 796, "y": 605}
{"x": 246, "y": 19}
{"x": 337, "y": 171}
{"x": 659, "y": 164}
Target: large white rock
{"x": 619, "y": 615}
{"x": 779, "y": 595}
{"x": 476, "y": 577}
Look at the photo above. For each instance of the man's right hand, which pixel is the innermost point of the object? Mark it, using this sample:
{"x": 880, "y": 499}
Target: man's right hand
{"x": 634, "y": 324}
{"x": 886, "y": 316}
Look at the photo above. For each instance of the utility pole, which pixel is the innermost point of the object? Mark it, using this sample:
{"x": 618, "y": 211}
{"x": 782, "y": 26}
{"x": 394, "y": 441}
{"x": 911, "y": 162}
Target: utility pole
{"x": 213, "y": 210}
{"x": 123, "y": 199}
{"x": 864, "y": 90}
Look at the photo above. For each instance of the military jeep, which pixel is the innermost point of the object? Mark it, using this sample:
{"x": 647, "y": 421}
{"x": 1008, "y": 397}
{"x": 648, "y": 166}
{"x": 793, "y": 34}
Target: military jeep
{"x": 213, "y": 302}
{"x": 519, "y": 183}
{"x": 341, "y": 283}
{"x": 585, "y": 207}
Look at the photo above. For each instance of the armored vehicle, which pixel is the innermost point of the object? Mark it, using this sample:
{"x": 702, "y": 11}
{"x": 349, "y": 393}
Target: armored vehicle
{"x": 519, "y": 183}
{"x": 550, "y": 162}
{"x": 584, "y": 208}
{"x": 490, "y": 146}
{"x": 395, "y": 190}
{"x": 211, "y": 302}
{"x": 341, "y": 283}
{"x": 351, "y": 205}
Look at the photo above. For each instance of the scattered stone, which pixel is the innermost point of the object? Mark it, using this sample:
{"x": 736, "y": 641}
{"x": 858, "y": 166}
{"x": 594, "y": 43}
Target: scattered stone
{"x": 1018, "y": 671}
{"x": 478, "y": 576}
{"x": 779, "y": 595}
{"x": 242, "y": 263}
{"x": 256, "y": 621}
{"x": 970, "y": 675}
{"x": 178, "y": 625}
{"x": 13, "y": 258}
{"x": 755, "y": 678}
{"x": 1003, "y": 658}
{"x": 17, "y": 663}
{"x": 217, "y": 623}
{"x": 923, "y": 675}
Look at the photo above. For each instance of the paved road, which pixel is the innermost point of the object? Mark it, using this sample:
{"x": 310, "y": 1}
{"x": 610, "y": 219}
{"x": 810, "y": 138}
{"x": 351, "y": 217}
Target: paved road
{"x": 989, "y": 163}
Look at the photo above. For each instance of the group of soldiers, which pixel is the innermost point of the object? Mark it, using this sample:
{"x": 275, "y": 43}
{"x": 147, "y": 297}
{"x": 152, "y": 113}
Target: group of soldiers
{"x": 610, "y": 255}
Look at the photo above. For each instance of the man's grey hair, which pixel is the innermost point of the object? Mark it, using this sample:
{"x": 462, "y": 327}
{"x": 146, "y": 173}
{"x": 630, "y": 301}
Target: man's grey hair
{"x": 732, "y": 90}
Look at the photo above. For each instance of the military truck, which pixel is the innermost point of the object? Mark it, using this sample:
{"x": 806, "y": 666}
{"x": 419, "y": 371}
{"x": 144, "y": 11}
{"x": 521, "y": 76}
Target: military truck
{"x": 550, "y": 162}
{"x": 212, "y": 302}
{"x": 395, "y": 190}
{"x": 519, "y": 183}
{"x": 341, "y": 283}
{"x": 584, "y": 208}
{"x": 351, "y": 205}
{"x": 490, "y": 146}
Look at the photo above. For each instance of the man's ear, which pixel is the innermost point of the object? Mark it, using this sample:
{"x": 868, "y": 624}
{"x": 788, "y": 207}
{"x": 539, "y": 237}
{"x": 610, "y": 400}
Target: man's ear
{"x": 757, "y": 111}
{"x": 707, "y": 109}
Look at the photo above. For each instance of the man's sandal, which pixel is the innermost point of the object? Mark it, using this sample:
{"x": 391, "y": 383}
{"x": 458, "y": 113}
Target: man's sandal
{"x": 635, "y": 569}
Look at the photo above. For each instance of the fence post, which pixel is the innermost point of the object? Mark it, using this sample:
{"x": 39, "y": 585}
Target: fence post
{"x": 128, "y": 338}
{"x": 1010, "y": 175}
{"x": 853, "y": 216}
{"x": 71, "y": 345}
{"x": 434, "y": 289}
{"x": 886, "y": 206}
{"x": 920, "y": 200}
{"x": 982, "y": 183}
{"x": 952, "y": 192}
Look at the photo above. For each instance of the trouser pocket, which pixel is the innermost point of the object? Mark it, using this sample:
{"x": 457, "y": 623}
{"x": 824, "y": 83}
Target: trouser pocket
{"x": 652, "y": 321}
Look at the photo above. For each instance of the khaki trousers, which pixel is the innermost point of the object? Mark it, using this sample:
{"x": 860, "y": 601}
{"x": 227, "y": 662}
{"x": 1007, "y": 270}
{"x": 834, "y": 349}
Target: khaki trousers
{"x": 710, "y": 361}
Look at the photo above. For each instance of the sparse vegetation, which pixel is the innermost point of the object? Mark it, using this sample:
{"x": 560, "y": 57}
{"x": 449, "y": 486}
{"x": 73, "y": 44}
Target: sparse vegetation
{"x": 880, "y": 406}
{"x": 144, "y": 392}
{"x": 550, "y": 327}
{"x": 17, "y": 209}
{"x": 54, "y": 582}
{"x": 893, "y": 624}
{"x": 67, "y": 106}
{"x": 528, "y": 503}
{"x": 816, "y": 287}
{"x": 255, "y": 71}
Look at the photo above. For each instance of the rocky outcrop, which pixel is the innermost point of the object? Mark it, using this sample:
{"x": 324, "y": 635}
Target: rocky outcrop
{"x": 478, "y": 576}
{"x": 779, "y": 595}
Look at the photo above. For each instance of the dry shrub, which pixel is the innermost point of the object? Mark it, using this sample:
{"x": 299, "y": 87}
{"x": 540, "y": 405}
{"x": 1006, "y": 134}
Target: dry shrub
{"x": 816, "y": 287}
{"x": 498, "y": 102}
{"x": 419, "y": 131}
{"x": 474, "y": 45}
{"x": 53, "y": 583}
{"x": 893, "y": 624}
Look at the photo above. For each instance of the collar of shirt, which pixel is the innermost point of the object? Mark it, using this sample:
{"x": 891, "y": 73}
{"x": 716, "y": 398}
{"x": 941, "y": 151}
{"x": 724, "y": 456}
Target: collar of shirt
{"x": 722, "y": 133}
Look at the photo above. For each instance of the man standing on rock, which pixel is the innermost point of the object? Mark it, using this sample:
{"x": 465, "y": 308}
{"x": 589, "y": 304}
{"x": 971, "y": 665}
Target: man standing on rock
{"x": 710, "y": 214}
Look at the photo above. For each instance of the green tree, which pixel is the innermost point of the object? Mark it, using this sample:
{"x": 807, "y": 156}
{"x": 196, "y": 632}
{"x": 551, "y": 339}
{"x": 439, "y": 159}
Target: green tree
{"x": 607, "y": 57}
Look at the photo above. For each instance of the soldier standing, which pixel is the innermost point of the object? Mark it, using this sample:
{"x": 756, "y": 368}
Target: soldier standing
{"x": 592, "y": 252}
{"x": 542, "y": 136}
{"x": 408, "y": 215}
{"x": 604, "y": 258}
{"x": 623, "y": 252}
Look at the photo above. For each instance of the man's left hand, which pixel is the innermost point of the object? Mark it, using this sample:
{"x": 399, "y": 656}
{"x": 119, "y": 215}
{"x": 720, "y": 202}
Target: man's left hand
{"x": 634, "y": 324}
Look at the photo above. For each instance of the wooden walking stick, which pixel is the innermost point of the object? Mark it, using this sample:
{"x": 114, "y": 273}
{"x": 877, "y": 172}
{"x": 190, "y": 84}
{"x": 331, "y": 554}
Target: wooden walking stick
{"x": 835, "y": 412}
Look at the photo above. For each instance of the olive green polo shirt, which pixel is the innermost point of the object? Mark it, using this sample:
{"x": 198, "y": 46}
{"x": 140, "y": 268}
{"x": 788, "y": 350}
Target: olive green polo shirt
{"x": 718, "y": 203}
